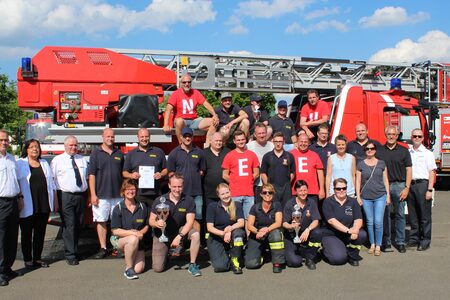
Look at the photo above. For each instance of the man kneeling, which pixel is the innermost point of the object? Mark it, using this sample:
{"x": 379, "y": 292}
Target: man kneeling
{"x": 177, "y": 226}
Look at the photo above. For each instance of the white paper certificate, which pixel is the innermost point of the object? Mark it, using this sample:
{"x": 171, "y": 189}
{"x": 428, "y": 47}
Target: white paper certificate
{"x": 147, "y": 179}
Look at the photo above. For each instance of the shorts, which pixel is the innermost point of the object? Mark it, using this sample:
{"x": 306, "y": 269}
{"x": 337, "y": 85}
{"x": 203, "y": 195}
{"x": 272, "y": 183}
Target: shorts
{"x": 193, "y": 124}
{"x": 102, "y": 212}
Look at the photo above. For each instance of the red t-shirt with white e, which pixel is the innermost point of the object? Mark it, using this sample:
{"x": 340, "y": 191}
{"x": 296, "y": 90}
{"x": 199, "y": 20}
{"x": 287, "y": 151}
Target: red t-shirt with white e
{"x": 306, "y": 166}
{"x": 240, "y": 166}
{"x": 313, "y": 113}
{"x": 185, "y": 105}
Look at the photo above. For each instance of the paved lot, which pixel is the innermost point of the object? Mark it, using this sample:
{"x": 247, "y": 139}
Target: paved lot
{"x": 414, "y": 275}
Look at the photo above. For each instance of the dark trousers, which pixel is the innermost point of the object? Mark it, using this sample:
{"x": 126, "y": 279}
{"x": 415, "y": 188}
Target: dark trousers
{"x": 419, "y": 214}
{"x": 295, "y": 253}
{"x": 9, "y": 230}
{"x": 147, "y": 201}
{"x": 283, "y": 194}
{"x": 72, "y": 215}
{"x": 221, "y": 252}
{"x": 256, "y": 248}
{"x": 338, "y": 248}
{"x": 257, "y": 191}
{"x": 32, "y": 235}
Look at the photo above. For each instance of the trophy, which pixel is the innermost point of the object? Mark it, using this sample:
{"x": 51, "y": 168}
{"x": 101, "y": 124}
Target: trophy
{"x": 162, "y": 210}
{"x": 297, "y": 216}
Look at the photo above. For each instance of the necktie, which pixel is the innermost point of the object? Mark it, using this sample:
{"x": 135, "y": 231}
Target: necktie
{"x": 77, "y": 171}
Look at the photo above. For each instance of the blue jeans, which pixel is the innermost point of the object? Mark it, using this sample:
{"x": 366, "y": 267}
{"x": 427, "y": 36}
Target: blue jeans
{"x": 374, "y": 210}
{"x": 399, "y": 207}
{"x": 247, "y": 203}
{"x": 198, "y": 207}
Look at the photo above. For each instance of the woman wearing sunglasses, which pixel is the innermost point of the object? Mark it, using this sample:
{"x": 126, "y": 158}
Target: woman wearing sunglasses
{"x": 301, "y": 228}
{"x": 343, "y": 236}
{"x": 264, "y": 224}
{"x": 225, "y": 223}
{"x": 372, "y": 191}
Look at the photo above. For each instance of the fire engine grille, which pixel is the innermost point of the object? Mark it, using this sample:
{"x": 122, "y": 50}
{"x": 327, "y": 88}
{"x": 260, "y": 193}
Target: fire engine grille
{"x": 445, "y": 162}
{"x": 65, "y": 57}
{"x": 99, "y": 58}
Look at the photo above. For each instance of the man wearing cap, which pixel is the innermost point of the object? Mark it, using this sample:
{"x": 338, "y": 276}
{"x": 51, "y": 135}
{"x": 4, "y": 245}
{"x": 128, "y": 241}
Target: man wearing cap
{"x": 231, "y": 116}
{"x": 313, "y": 113}
{"x": 281, "y": 123}
{"x": 188, "y": 160}
{"x": 184, "y": 103}
{"x": 256, "y": 114}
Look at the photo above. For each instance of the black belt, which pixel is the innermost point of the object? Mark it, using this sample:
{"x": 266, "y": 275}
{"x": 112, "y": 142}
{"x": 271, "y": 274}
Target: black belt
{"x": 76, "y": 193}
{"x": 8, "y": 198}
{"x": 414, "y": 181}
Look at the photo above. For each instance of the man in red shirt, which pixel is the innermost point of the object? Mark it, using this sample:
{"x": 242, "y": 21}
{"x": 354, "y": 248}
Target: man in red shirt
{"x": 313, "y": 113}
{"x": 309, "y": 167}
{"x": 183, "y": 102}
{"x": 241, "y": 168}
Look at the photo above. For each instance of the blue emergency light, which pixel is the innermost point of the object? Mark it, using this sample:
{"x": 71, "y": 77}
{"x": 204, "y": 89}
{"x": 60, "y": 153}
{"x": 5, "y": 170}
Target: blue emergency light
{"x": 26, "y": 64}
{"x": 396, "y": 84}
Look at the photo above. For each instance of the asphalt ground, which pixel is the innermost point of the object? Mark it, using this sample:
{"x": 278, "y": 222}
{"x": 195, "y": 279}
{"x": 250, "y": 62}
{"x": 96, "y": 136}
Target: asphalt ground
{"x": 413, "y": 275}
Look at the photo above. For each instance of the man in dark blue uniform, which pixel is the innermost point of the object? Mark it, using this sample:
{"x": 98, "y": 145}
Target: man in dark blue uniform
{"x": 231, "y": 116}
{"x": 281, "y": 123}
{"x": 322, "y": 147}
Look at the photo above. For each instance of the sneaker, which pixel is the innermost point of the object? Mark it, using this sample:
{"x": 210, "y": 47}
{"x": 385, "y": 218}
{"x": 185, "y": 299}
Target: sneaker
{"x": 130, "y": 274}
{"x": 175, "y": 252}
{"x": 277, "y": 268}
{"x": 101, "y": 254}
{"x": 194, "y": 270}
{"x": 235, "y": 266}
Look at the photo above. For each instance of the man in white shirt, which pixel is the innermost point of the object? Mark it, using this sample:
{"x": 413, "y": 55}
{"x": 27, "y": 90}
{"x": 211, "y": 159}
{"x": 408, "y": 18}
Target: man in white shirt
{"x": 421, "y": 192}
{"x": 70, "y": 171}
{"x": 10, "y": 205}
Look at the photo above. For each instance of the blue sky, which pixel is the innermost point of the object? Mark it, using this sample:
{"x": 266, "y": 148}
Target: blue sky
{"x": 388, "y": 31}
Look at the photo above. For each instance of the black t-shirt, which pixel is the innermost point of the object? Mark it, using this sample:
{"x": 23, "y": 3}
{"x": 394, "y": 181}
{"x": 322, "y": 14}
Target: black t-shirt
{"x": 285, "y": 126}
{"x": 323, "y": 152}
{"x": 264, "y": 116}
{"x": 263, "y": 219}
{"x": 189, "y": 164}
{"x": 278, "y": 169}
{"x": 226, "y": 117}
{"x": 213, "y": 171}
{"x": 217, "y": 215}
{"x": 155, "y": 157}
{"x": 177, "y": 214}
{"x": 357, "y": 150}
{"x": 123, "y": 218}
{"x": 107, "y": 169}
{"x": 346, "y": 214}
{"x": 397, "y": 160}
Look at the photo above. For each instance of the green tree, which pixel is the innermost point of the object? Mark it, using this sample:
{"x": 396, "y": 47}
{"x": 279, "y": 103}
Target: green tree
{"x": 11, "y": 117}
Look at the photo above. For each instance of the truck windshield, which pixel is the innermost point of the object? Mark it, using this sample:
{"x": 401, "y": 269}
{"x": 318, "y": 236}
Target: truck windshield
{"x": 38, "y": 130}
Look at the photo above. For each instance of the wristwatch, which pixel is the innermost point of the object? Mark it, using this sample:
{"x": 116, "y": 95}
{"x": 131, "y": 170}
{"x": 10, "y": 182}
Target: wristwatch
{"x": 430, "y": 190}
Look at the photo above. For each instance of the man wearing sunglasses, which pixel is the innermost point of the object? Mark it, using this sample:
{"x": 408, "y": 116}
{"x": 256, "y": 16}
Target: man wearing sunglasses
{"x": 183, "y": 102}
{"x": 398, "y": 163}
{"x": 421, "y": 193}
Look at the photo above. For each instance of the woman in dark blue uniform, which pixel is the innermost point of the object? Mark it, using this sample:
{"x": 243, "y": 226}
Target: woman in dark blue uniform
{"x": 264, "y": 224}
{"x": 343, "y": 237}
{"x": 301, "y": 228}
{"x": 225, "y": 223}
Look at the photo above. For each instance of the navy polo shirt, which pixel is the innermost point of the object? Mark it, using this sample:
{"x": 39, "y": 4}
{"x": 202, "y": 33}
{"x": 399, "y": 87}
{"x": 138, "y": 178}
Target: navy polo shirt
{"x": 396, "y": 161}
{"x": 123, "y": 218}
{"x": 189, "y": 164}
{"x": 310, "y": 212}
{"x": 217, "y": 215}
{"x": 153, "y": 156}
{"x": 285, "y": 126}
{"x": 177, "y": 214}
{"x": 357, "y": 150}
{"x": 107, "y": 169}
{"x": 226, "y": 117}
{"x": 263, "y": 219}
{"x": 213, "y": 171}
{"x": 323, "y": 152}
{"x": 346, "y": 214}
{"x": 278, "y": 169}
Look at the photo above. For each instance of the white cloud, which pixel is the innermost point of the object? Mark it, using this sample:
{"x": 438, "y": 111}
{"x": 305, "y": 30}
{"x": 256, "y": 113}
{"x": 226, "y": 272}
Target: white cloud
{"x": 28, "y": 18}
{"x": 236, "y": 26}
{"x": 321, "y": 26}
{"x": 322, "y": 13}
{"x": 15, "y": 52}
{"x": 270, "y": 9}
{"x": 434, "y": 46}
{"x": 392, "y": 16}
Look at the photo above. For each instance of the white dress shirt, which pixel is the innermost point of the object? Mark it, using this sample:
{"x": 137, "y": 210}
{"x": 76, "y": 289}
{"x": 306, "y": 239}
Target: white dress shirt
{"x": 9, "y": 186}
{"x": 422, "y": 162}
{"x": 64, "y": 173}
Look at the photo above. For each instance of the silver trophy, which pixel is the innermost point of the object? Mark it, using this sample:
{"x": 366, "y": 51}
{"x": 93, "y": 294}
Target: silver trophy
{"x": 296, "y": 217}
{"x": 162, "y": 211}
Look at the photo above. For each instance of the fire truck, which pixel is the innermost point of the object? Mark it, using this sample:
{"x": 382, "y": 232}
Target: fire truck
{"x": 88, "y": 89}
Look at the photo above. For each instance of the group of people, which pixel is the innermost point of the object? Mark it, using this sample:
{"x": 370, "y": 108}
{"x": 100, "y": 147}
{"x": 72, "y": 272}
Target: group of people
{"x": 277, "y": 193}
